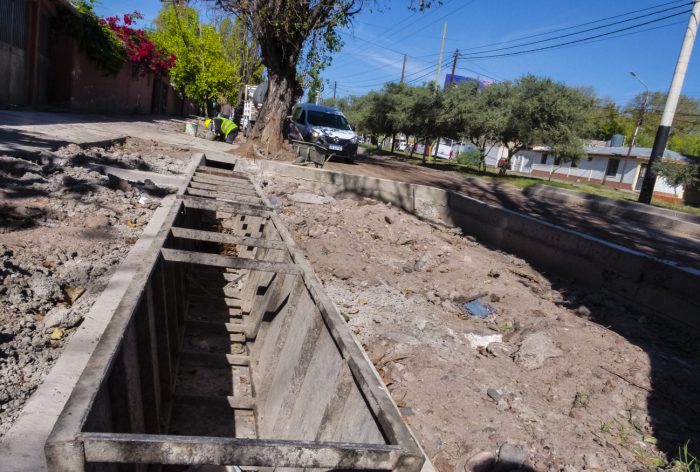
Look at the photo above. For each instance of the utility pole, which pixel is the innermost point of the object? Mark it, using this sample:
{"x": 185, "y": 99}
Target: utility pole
{"x": 674, "y": 93}
{"x": 335, "y": 84}
{"x": 642, "y": 111}
{"x": 454, "y": 66}
{"x": 403, "y": 68}
{"x": 442, "y": 49}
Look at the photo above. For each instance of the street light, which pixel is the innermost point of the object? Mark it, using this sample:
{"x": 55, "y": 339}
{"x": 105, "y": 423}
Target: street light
{"x": 641, "y": 112}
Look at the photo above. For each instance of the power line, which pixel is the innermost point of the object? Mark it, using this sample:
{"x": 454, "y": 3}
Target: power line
{"x": 576, "y": 32}
{"x": 413, "y": 32}
{"x": 581, "y": 40}
{"x": 574, "y": 26}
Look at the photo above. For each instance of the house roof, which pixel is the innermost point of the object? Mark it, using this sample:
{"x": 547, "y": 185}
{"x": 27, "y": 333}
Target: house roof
{"x": 621, "y": 151}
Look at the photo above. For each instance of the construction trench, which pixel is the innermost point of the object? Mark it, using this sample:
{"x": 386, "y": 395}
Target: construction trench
{"x": 225, "y": 350}
{"x": 211, "y": 356}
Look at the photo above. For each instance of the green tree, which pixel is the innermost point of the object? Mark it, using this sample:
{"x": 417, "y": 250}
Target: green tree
{"x": 425, "y": 108}
{"x": 201, "y": 71}
{"x": 541, "y": 111}
{"x": 677, "y": 173}
{"x": 242, "y": 52}
{"x": 475, "y": 115}
{"x": 686, "y": 122}
{"x": 606, "y": 120}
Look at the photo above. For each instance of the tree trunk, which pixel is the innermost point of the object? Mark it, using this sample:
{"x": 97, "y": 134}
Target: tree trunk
{"x": 283, "y": 90}
{"x": 393, "y": 142}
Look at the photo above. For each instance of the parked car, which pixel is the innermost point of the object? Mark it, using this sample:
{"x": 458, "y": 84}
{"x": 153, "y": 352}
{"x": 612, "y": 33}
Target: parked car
{"x": 326, "y": 128}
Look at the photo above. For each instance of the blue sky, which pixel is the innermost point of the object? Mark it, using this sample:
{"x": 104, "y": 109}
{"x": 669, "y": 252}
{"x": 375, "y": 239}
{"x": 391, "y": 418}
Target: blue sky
{"x": 378, "y": 39}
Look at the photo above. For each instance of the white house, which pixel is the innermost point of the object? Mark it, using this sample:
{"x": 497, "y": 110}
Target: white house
{"x": 611, "y": 166}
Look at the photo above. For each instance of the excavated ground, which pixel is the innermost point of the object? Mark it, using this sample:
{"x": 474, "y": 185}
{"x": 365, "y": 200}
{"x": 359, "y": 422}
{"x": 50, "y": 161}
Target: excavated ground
{"x": 64, "y": 228}
{"x": 578, "y": 381}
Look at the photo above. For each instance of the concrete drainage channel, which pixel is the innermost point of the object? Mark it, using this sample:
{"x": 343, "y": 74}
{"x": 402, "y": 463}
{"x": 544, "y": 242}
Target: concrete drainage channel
{"x": 226, "y": 350}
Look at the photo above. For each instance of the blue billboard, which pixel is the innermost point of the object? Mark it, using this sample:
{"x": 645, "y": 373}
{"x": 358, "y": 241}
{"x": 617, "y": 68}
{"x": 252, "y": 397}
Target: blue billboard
{"x": 450, "y": 79}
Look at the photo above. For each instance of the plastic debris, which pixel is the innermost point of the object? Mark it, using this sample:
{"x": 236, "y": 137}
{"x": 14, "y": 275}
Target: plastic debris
{"x": 56, "y": 334}
{"x": 74, "y": 293}
{"x": 477, "y": 309}
{"x": 480, "y": 340}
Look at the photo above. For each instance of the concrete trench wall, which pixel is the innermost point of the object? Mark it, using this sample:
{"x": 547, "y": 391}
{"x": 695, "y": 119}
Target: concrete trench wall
{"x": 657, "y": 287}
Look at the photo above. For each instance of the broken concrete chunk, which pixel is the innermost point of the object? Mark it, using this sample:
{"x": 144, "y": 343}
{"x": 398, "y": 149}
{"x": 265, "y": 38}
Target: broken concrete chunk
{"x": 510, "y": 457}
{"x": 55, "y": 317}
{"x": 495, "y": 394}
{"x": 95, "y": 222}
{"x": 44, "y": 287}
{"x": 534, "y": 350}
{"x": 310, "y": 198}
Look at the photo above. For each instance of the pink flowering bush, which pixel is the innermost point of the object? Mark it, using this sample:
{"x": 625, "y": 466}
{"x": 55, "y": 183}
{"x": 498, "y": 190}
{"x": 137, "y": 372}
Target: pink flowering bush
{"x": 139, "y": 48}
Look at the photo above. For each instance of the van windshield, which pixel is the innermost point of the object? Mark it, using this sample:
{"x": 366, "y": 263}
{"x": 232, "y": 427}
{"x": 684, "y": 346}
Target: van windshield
{"x": 327, "y": 120}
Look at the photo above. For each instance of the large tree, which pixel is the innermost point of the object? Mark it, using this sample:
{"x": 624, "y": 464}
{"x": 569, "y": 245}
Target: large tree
{"x": 284, "y": 29}
{"x": 294, "y": 36}
{"x": 541, "y": 111}
{"x": 475, "y": 115}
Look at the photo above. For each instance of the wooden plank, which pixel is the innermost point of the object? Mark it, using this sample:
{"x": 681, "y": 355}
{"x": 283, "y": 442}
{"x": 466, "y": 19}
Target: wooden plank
{"x": 236, "y": 403}
{"x": 224, "y": 193}
{"x": 190, "y": 450}
{"x": 218, "y": 187}
{"x": 243, "y": 198}
{"x": 213, "y": 358}
{"x": 223, "y": 238}
{"x": 227, "y": 172}
{"x": 213, "y": 180}
{"x": 214, "y": 260}
{"x": 220, "y": 178}
{"x": 248, "y": 209}
{"x": 213, "y": 326}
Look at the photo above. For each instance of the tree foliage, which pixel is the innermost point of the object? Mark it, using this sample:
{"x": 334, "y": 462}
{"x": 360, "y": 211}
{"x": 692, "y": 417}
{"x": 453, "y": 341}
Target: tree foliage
{"x": 94, "y": 37}
{"x": 677, "y": 173}
{"x": 475, "y": 115}
{"x": 529, "y": 111}
{"x": 202, "y": 71}
{"x": 607, "y": 119}
{"x": 242, "y": 52}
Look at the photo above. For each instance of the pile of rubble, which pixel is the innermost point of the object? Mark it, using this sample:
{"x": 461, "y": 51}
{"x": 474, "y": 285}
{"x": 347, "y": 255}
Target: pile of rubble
{"x": 64, "y": 227}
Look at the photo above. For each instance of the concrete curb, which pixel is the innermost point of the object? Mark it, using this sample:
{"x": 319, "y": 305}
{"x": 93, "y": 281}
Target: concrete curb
{"x": 22, "y": 448}
{"x": 165, "y": 180}
{"x": 676, "y": 221}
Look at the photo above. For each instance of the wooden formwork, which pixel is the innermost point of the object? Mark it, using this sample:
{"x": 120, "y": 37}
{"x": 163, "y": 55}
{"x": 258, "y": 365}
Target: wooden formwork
{"x": 226, "y": 350}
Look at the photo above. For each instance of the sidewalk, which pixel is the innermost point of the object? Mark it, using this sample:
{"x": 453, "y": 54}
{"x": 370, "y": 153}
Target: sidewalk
{"x": 22, "y": 131}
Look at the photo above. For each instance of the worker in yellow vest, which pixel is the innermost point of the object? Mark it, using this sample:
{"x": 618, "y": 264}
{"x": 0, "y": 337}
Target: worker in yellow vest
{"x": 221, "y": 128}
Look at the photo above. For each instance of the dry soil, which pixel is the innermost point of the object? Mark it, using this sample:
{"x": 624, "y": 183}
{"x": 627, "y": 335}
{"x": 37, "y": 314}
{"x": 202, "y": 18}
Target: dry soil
{"x": 577, "y": 381}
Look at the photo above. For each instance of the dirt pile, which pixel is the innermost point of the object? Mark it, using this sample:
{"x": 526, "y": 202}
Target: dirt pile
{"x": 553, "y": 376}
{"x": 64, "y": 227}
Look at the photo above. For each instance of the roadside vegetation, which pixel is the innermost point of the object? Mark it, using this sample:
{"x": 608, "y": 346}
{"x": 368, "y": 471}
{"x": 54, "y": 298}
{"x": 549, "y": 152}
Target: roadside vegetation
{"x": 467, "y": 165}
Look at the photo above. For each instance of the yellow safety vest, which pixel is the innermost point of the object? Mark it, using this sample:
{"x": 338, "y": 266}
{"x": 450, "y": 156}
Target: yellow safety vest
{"x": 227, "y": 126}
